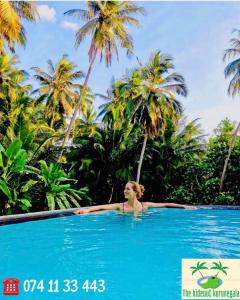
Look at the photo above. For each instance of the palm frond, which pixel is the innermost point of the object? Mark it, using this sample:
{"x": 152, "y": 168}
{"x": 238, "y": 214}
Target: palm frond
{"x": 84, "y": 30}
{"x": 231, "y": 52}
{"x": 234, "y": 85}
{"x": 79, "y": 13}
{"x": 232, "y": 67}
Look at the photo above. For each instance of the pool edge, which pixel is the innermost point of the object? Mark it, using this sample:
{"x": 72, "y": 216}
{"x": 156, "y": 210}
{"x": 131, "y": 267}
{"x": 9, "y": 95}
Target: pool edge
{"x": 35, "y": 216}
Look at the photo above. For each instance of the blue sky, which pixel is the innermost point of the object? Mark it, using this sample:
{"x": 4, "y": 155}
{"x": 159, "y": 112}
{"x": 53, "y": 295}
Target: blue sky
{"x": 195, "y": 34}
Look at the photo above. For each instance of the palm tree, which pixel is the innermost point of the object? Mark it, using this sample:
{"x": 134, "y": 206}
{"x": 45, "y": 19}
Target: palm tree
{"x": 161, "y": 100}
{"x": 232, "y": 69}
{"x": 219, "y": 267}
{"x": 87, "y": 124}
{"x": 230, "y": 149}
{"x": 113, "y": 110}
{"x": 9, "y": 72}
{"x": 57, "y": 88}
{"x": 199, "y": 266}
{"x": 11, "y": 28}
{"x": 15, "y": 102}
{"x": 151, "y": 93}
{"x": 21, "y": 116}
{"x": 169, "y": 155}
{"x": 98, "y": 160}
{"x": 188, "y": 137}
{"x": 106, "y": 22}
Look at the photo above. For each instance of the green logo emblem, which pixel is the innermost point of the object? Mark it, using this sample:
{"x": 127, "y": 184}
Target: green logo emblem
{"x": 209, "y": 282}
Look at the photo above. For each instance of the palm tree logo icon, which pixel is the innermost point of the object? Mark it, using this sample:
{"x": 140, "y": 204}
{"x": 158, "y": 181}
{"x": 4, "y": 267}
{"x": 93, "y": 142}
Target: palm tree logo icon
{"x": 209, "y": 281}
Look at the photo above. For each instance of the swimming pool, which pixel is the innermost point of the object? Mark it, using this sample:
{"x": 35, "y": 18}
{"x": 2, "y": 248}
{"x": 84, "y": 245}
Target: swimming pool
{"x": 139, "y": 258}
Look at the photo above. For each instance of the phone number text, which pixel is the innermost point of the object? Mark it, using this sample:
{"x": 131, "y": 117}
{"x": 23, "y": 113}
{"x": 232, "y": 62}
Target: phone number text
{"x": 65, "y": 286}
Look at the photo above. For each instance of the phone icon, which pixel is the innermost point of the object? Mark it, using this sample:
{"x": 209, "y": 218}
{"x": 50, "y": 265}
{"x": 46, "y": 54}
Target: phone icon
{"x": 10, "y": 286}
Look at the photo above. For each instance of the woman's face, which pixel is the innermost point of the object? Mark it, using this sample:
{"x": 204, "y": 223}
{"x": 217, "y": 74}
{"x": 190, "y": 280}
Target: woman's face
{"x": 128, "y": 191}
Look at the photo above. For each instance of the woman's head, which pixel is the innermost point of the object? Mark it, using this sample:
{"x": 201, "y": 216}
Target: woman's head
{"x": 133, "y": 189}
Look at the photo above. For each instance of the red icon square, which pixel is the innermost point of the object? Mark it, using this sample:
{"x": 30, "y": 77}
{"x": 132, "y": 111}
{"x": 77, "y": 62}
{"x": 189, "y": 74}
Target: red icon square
{"x": 10, "y": 286}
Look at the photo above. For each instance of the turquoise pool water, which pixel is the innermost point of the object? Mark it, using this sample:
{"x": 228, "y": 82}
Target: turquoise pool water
{"x": 139, "y": 258}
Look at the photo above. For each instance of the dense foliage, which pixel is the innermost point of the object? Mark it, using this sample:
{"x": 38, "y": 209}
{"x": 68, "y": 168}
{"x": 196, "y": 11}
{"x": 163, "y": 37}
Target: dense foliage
{"x": 140, "y": 132}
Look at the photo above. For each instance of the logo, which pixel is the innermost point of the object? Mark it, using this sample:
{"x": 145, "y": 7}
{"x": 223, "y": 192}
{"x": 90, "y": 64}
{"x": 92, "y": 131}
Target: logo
{"x": 211, "y": 279}
{"x": 10, "y": 286}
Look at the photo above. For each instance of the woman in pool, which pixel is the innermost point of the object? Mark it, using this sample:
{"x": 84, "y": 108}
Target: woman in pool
{"x": 132, "y": 192}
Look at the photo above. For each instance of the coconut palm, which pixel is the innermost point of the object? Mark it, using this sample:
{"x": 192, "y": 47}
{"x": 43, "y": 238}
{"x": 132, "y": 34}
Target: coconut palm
{"x": 106, "y": 23}
{"x": 199, "y": 266}
{"x": 86, "y": 105}
{"x": 57, "y": 88}
{"x": 15, "y": 101}
{"x": 98, "y": 159}
{"x": 113, "y": 110}
{"x": 87, "y": 124}
{"x": 232, "y": 69}
{"x": 10, "y": 76}
{"x": 219, "y": 267}
{"x": 159, "y": 100}
{"x": 11, "y": 28}
{"x": 20, "y": 115}
{"x": 188, "y": 137}
{"x": 150, "y": 94}
{"x": 112, "y": 98}
{"x": 169, "y": 154}
{"x": 230, "y": 149}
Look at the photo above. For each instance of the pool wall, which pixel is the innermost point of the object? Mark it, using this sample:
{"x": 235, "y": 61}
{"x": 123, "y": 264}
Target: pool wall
{"x": 13, "y": 219}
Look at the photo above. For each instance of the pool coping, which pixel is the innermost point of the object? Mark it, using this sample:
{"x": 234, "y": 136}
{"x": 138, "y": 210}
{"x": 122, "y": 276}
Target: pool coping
{"x": 20, "y": 218}
{"x": 35, "y": 216}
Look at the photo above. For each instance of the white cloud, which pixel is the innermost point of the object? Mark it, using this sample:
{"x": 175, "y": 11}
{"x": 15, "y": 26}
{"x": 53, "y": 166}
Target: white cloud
{"x": 46, "y": 13}
{"x": 70, "y": 25}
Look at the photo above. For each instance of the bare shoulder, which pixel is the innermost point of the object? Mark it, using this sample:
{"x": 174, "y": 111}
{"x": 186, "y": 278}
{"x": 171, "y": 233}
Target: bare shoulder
{"x": 146, "y": 205}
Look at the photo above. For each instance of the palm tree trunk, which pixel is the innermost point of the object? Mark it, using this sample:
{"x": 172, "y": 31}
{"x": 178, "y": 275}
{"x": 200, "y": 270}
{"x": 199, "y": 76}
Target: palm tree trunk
{"x": 228, "y": 157}
{"x": 201, "y": 273}
{"x": 217, "y": 273}
{"x": 72, "y": 122}
{"x": 110, "y": 199}
{"x": 52, "y": 120}
{"x": 141, "y": 158}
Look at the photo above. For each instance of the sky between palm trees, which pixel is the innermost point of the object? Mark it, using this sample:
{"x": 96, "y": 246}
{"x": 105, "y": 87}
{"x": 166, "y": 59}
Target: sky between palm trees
{"x": 194, "y": 33}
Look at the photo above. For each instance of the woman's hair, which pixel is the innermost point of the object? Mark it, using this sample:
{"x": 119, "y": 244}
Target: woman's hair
{"x": 138, "y": 189}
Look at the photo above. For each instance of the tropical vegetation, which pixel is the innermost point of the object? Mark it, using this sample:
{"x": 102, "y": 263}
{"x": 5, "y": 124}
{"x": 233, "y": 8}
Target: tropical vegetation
{"x": 107, "y": 23}
{"x": 139, "y": 133}
{"x": 11, "y": 29}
